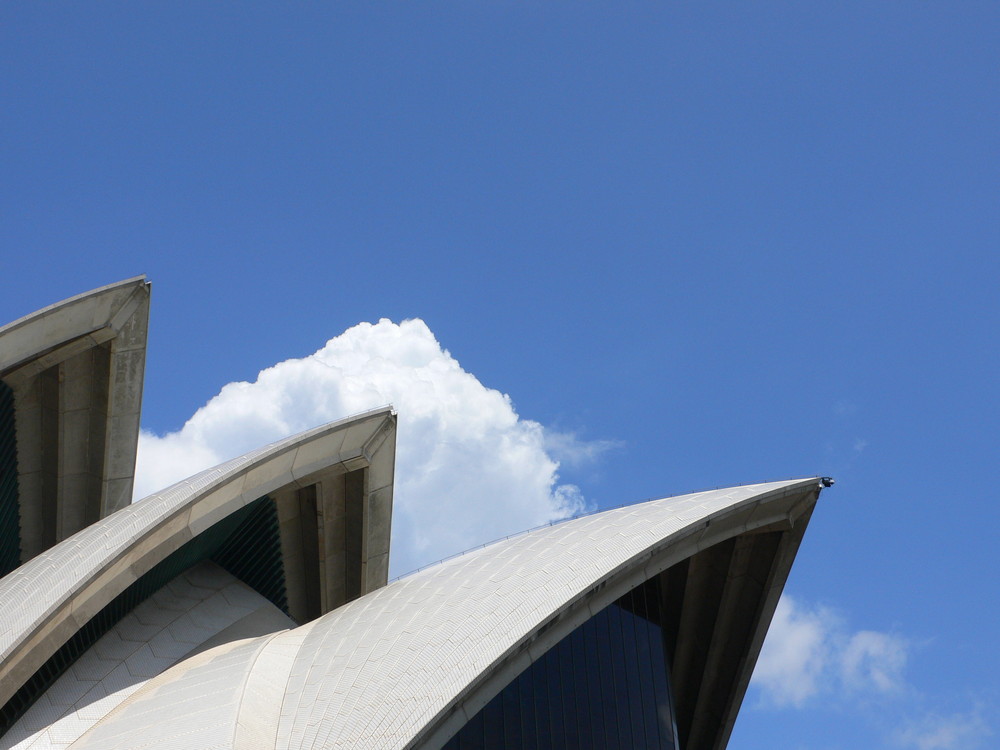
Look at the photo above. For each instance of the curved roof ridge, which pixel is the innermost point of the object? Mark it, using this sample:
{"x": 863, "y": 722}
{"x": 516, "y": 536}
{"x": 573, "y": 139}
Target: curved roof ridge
{"x": 584, "y": 514}
{"x": 134, "y": 280}
{"x": 75, "y": 324}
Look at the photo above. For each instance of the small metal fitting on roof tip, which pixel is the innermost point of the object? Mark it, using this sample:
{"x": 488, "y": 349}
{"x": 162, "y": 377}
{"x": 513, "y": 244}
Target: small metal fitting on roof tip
{"x": 827, "y": 481}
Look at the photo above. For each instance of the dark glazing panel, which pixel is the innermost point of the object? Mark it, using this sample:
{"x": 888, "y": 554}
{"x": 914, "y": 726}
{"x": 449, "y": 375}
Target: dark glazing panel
{"x": 10, "y": 528}
{"x": 603, "y": 686}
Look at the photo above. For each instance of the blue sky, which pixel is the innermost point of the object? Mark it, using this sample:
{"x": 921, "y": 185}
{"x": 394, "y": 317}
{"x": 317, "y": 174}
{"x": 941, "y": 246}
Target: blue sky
{"x": 696, "y": 245}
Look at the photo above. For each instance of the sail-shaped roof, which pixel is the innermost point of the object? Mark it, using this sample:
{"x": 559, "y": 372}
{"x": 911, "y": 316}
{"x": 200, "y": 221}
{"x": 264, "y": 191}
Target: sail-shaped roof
{"x": 71, "y": 378}
{"x": 409, "y": 664}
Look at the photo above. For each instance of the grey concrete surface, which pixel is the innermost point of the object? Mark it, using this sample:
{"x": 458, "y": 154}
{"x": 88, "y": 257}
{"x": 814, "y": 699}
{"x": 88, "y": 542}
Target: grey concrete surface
{"x": 76, "y": 369}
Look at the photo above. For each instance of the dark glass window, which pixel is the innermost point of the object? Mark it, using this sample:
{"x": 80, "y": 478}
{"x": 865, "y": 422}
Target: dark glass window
{"x": 10, "y": 528}
{"x": 605, "y": 685}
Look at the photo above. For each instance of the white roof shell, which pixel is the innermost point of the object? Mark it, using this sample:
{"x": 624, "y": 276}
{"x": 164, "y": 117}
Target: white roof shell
{"x": 46, "y": 600}
{"x": 407, "y": 665}
{"x": 83, "y": 360}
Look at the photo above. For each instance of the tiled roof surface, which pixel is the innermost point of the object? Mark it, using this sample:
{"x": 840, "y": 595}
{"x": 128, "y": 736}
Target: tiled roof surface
{"x": 376, "y": 672}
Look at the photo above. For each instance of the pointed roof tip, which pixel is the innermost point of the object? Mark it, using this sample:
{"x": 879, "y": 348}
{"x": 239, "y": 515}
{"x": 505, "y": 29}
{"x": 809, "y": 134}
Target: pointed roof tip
{"x": 70, "y": 303}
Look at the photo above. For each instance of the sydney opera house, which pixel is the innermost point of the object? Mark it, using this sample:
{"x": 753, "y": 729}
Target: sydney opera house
{"x": 248, "y": 606}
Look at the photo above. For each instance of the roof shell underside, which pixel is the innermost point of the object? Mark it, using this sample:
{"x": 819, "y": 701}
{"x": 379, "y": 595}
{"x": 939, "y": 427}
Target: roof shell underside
{"x": 76, "y": 371}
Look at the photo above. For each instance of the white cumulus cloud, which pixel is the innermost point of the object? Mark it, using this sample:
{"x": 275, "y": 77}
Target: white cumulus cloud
{"x": 468, "y": 468}
{"x": 810, "y": 650}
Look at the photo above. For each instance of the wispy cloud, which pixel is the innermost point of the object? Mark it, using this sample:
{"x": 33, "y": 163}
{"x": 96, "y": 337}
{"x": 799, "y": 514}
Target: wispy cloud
{"x": 844, "y": 407}
{"x": 469, "y": 469}
{"x": 812, "y": 660}
{"x": 570, "y": 450}
{"x": 946, "y": 731}
{"x": 796, "y": 655}
{"x": 810, "y": 651}
{"x": 870, "y": 660}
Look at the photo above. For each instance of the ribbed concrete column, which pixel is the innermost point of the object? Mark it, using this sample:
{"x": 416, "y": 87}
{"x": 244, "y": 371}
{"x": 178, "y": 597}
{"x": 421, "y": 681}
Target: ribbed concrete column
{"x": 83, "y": 402}
{"x": 125, "y": 378}
{"x": 36, "y": 414}
{"x": 323, "y": 540}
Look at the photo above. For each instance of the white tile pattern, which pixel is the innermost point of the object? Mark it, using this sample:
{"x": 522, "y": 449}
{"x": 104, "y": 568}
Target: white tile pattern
{"x": 195, "y": 606}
